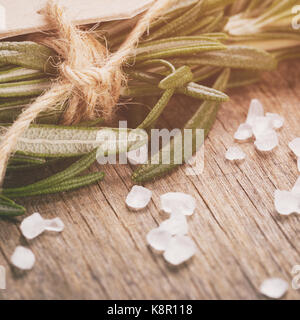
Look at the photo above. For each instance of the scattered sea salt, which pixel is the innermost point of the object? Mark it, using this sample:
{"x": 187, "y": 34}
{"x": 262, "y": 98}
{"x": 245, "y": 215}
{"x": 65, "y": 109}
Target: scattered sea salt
{"x": 178, "y": 202}
{"x": 261, "y": 126}
{"x": 138, "y": 197}
{"x": 55, "y": 224}
{"x": 274, "y": 288}
{"x": 287, "y": 202}
{"x": 267, "y": 142}
{"x": 235, "y": 153}
{"x": 277, "y": 120}
{"x": 177, "y": 224}
{"x": 170, "y": 237}
{"x": 256, "y": 109}
{"x": 32, "y": 226}
{"x": 138, "y": 156}
{"x": 244, "y": 132}
{"x": 179, "y": 249}
{"x": 23, "y": 258}
{"x": 295, "y": 147}
{"x": 159, "y": 239}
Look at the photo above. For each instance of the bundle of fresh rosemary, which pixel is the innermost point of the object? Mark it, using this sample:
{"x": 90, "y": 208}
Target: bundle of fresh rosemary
{"x": 227, "y": 42}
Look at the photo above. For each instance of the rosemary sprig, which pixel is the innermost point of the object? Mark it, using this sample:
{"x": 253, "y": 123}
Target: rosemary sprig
{"x": 184, "y": 51}
{"x": 202, "y": 119}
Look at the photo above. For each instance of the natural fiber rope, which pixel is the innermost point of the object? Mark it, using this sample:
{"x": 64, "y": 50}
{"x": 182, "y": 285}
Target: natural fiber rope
{"x": 90, "y": 78}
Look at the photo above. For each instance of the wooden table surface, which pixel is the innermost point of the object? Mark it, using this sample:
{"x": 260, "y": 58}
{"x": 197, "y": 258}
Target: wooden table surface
{"x": 241, "y": 240}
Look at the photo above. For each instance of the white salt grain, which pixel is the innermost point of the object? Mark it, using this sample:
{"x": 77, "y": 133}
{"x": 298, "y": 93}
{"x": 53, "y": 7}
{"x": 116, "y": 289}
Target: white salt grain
{"x": 32, "y": 226}
{"x": 262, "y": 126}
{"x": 159, "y": 239}
{"x": 138, "y": 156}
{"x": 178, "y": 202}
{"x": 286, "y": 202}
{"x": 274, "y": 288}
{"x": 235, "y": 153}
{"x": 179, "y": 249}
{"x": 177, "y": 224}
{"x": 138, "y": 197}
{"x": 23, "y": 258}
{"x": 277, "y": 120}
{"x": 256, "y": 109}
{"x": 295, "y": 147}
{"x": 244, "y": 132}
{"x": 55, "y": 225}
{"x": 267, "y": 142}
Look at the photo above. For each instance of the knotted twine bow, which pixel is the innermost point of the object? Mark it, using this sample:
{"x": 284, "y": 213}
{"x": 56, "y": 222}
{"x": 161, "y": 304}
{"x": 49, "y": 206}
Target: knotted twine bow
{"x": 90, "y": 78}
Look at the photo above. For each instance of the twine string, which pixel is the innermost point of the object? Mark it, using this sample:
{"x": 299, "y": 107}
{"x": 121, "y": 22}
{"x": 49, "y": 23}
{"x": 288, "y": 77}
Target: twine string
{"x": 90, "y": 79}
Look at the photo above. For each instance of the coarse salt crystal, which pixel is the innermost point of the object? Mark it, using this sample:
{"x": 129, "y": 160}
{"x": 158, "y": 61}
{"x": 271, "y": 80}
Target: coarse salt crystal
{"x": 286, "y": 202}
{"x": 159, "y": 239}
{"x": 256, "y": 109}
{"x": 138, "y": 197}
{"x": 235, "y": 153}
{"x": 177, "y": 224}
{"x": 262, "y": 126}
{"x": 274, "y": 288}
{"x": 179, "y": 249}
{"x": 138, "y": 156}
{"x": 32, "y": 226}
{"x": 267, "y": 142}
{"x": 244, "y": 132}
{"x": 277, "y": 120}
{"x": 295, "y": 147}
{"x": 23, "y": 258}
{"x": 178, "y": 202}
{"x": 55, "y": 224}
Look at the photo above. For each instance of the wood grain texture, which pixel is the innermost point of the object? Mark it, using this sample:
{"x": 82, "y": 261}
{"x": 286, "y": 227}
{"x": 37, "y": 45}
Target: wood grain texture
{"x": 241, "y": 240}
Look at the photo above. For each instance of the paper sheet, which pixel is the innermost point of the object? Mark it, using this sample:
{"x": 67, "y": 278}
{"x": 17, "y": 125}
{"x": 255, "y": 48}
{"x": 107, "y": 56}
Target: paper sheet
{"x": 22, "y": 16}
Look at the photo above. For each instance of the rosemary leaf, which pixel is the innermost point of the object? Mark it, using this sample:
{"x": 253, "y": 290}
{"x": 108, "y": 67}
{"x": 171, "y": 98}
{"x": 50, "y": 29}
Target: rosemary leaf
{"x": 241, "y": 57}
{"x": 26, "y": 159}
{"x": 198, "y": 91}
{"x": 24, "y": 88}
{"x": 68, "y": 185}
{"x": 180, "y": 23}
{"x": 58, "y": 141}
{"x": 157, "y": 110}
{"x": 9, "y": 208}
{"x": 28, "y": 55}
{"x": 19, "y": 73}
{"x": 73, "y": 170}
{"x": 177, "y": 79}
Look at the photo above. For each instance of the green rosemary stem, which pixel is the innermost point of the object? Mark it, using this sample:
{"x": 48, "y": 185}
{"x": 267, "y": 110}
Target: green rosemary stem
{"x": 157, "y": 110}
{"x": 202, "y": 119}
{"x": 75, "y": 169}
{"x": 67, "y": 185}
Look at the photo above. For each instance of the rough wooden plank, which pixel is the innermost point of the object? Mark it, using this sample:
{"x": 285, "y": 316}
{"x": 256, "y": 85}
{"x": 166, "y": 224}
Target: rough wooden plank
{"x": 241, "y": 240}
